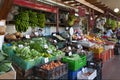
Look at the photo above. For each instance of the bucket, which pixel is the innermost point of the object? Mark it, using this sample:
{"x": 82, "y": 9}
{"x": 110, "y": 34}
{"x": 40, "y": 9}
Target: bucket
{"x": 1, "y": 41}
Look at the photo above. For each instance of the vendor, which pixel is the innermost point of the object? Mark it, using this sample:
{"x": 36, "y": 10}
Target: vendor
{"x": 109, "y": 33}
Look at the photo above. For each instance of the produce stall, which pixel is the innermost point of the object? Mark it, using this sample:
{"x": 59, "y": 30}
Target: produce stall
{"x": 71, "y": 54}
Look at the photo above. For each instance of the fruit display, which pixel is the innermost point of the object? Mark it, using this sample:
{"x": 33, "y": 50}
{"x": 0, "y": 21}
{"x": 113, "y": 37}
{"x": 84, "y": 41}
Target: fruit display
{"x": 94, "y": 39}
{"x": 97, "y": 49}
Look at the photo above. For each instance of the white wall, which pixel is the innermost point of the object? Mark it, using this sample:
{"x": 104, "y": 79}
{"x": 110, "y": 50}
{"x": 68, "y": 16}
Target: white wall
{"x": 46, "y": 31}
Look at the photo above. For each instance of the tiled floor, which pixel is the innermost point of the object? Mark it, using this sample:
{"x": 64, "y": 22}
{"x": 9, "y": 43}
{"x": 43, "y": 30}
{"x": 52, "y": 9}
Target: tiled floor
{"x": 111, "y": 69}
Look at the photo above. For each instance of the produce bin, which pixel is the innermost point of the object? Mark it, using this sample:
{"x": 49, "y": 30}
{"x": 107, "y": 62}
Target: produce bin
{"x": 26, "y": 64}
{"x": 72, "y": 75}
{"x": 90, "y": 74}
{"x": 75, "y": 61}
{"x": 22, "y": 74}
{"x": 8, "y": 50}
{"x": 54, "y": 73}
{"x": 9, "y": 75}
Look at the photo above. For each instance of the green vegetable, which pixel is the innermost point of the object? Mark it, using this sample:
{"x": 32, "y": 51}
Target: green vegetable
{"x": 22, "y": 21}
{"x": 71, "y": 19}
{"x": 41, "y": 20}
{"x": 33, "y": 20}
{"x": 5, "y": 67}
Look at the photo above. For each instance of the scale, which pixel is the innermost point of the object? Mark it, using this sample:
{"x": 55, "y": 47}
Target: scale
{"x": 71, "y": 31}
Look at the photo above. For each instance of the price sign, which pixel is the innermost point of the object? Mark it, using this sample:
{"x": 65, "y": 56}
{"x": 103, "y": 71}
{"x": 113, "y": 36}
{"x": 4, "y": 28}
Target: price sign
{"x": 70, "y": 53}
{"x": 27, "y": 36}
{"x": 20, "y": 46}
{"x": 45, "y": 46}
{"x": 69, "y": 48}
{"x": 36, "y": 33}
{"x": 46, "y": 60}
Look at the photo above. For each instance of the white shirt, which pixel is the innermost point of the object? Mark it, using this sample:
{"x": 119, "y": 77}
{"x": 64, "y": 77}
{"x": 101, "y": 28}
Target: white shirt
{"x": 109, "y": 33}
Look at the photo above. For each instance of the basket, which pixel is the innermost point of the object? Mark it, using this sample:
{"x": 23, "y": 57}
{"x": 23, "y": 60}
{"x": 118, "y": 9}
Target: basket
{"x": 75, "y": 62}
{"x": 25, "y": 64}
{"x": 54, "y": 73}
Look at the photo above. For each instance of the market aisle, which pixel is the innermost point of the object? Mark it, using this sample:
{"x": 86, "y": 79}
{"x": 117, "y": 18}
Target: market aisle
{"x": 111, "y": 69}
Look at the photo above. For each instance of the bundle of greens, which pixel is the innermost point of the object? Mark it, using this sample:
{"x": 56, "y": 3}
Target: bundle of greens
{"x": 22, "y": 21}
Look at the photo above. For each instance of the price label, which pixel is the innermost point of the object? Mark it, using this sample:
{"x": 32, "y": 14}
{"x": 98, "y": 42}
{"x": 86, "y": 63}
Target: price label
{"x": 45, "y": 46}
{"x": 36, "y": 33}
{"x": 54, "y": 34}
{"x": 69, "y": 48}
{"x": 46, "y": 60}
{"x": 70, "y": 53}
{"x": 27, "y": 36}
{"x": 55, "y": 41}
{"x": 20, "y": 46}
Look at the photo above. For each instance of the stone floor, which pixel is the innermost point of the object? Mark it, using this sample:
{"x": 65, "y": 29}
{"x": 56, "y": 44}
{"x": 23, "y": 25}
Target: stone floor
{"x": 111, "y": 69}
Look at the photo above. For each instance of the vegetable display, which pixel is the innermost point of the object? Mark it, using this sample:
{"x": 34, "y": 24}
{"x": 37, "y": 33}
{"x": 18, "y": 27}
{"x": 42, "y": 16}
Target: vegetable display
{"x": 5, "y": 64}
{"x": 51, "y": 65}
{"x": 34, "y": 49}
{"x": 33, "y": 20}
{"x": 22, "y": 21}
{"x": 41, "y": 20}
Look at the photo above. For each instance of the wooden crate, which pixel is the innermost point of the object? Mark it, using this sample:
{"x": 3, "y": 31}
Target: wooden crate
{"x": 9, "y": 75}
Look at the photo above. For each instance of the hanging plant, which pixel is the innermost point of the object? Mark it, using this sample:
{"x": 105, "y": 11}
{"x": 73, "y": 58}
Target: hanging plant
{"x": 33, "y": 20}
{"x": 41, "y": 20}
{"x": 71, "y": 19}
{"x": 22, "y": 21}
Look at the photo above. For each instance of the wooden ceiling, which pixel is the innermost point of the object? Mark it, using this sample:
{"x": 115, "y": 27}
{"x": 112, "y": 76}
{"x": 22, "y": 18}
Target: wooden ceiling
{"x": 100, "y": 4}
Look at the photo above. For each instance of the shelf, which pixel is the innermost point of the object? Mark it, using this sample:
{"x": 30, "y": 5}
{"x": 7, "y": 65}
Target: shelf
{"x": 49, "y": 23}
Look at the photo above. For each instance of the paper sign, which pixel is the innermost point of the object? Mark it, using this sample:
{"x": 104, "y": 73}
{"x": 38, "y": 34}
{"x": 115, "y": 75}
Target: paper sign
{"x": 20, "y": 46}
{"x": 69, "y": 48}
{"x": 70, "y": 53}
{"x": 46, "y": 60}
{"x": 36, "y": 33}
{"x": 27, "y": 36}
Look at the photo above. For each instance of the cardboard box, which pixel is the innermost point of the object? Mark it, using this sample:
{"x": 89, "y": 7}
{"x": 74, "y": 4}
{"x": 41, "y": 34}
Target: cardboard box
{"x": 82, "y": 75}
{"x": 9, "y": 75}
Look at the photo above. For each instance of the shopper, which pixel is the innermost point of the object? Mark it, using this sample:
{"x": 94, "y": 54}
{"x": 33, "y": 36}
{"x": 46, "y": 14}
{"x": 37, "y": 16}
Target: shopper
{"x": 109, "y": 33}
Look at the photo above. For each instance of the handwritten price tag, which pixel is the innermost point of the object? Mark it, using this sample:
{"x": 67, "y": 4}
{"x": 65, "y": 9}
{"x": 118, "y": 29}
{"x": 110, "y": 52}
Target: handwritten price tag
{"x": 70, "y": 53}
{"x": 27, "y": 36}
{"x": 46, "y": 60}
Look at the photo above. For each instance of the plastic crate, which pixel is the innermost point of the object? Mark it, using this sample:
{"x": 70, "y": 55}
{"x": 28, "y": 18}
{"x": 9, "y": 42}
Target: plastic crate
{"x": 75, "y": 62}
{"x": 55, "y": 73}
{"x": 64, "y": 77}
{"x": 8, "y": 50}
{"x": 89, "y": 56}
{"x": 72, "y": 75}
{"x": 24, "y": 64}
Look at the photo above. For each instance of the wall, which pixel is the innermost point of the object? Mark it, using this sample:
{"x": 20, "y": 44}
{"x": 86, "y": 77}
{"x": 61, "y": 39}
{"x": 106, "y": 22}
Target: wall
{"x": 46, "y": 31}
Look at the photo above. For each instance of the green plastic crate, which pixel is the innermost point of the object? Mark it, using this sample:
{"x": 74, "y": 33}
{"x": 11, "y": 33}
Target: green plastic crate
{"x": 82, "y": 61}
{"x": 8, "y": 50}
{"x": 26, "y": 64}
{"x": 75, "y": 62}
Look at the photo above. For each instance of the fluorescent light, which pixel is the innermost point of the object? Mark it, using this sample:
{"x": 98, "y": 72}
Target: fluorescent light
{"x": 116, "y": 10}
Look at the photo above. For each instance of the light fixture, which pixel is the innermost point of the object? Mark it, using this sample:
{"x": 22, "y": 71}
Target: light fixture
{"x": 116, "y": 10}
